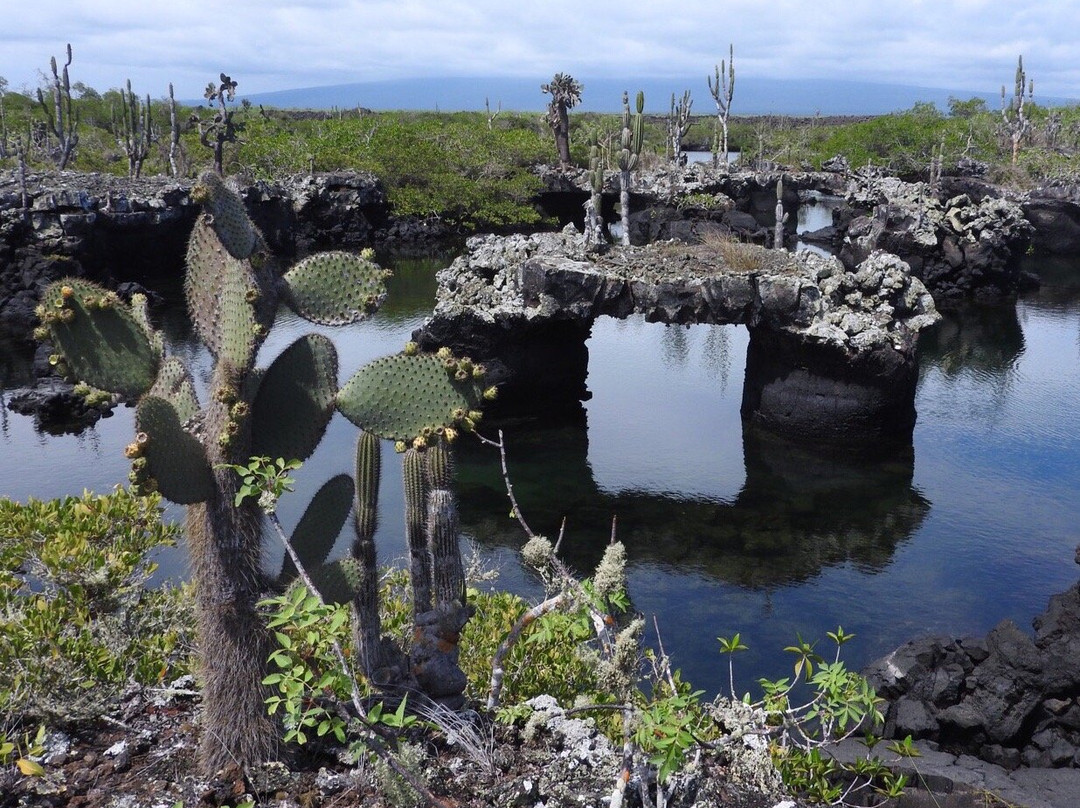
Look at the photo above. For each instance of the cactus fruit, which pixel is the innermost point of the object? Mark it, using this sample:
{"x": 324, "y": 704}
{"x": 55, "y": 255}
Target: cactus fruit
{"x": 106, "y": 348}
{"x": 295, "y": 399}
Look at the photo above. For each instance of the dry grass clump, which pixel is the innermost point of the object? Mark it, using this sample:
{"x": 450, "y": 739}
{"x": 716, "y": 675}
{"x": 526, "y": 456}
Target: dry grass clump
{"x": 740, "y": 256}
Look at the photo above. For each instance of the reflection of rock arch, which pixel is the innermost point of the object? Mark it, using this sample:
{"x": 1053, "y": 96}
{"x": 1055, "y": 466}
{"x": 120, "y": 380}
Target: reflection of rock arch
{"x": 984, "y": 339}
{"x": 798, "y": 512}
{"x": 832, "y": 353}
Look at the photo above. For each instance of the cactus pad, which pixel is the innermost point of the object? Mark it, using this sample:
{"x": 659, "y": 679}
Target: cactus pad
{"x": 100, "y": 338}
{"x": 222, "y": 295}
{"x": 174, "y": 384}
{"x": 318, "y": 528}
{"x": 174, "y": 457}
{"x": 334, "y": 288}
{"x": 295, "y": 400}
{"x": 339, "y": 581}
{"x": 236, "y": 232}
{"x": 409, "y": 398}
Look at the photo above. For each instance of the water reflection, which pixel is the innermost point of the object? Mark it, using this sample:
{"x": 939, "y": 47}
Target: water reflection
{"x": 983, "y": 340}
{"x": 797, "y": 512}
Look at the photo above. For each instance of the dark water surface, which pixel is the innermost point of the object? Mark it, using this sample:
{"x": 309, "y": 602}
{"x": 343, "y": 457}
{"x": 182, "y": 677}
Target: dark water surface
{"x": 975, "y": 522}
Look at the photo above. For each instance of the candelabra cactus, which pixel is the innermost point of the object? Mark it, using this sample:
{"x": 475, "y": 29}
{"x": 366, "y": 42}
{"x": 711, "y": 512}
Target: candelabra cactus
{"x": 187, "y": 449}
{"x": 722, "y": 89}
{"x": 136, "y": 132}
{"x": 633, "y": 135}
{"x": 1013, "y": 113}
{"x": 781, "y": 217}
{"x": 594, "y": 227}
{"x": 63, "y": 118}
{"x": 678, "y": 125}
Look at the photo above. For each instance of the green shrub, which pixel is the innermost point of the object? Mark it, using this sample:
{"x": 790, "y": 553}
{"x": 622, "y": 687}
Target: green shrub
{"x": 77, "y": 623}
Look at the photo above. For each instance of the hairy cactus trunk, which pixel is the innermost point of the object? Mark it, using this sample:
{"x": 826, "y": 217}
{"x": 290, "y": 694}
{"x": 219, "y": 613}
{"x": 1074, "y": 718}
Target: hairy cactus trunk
{"x": 234, "y": 642}
{"x": 562, "y": 135}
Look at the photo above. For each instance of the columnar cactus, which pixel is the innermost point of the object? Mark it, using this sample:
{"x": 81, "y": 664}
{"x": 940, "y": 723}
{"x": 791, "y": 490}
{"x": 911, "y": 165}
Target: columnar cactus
{"x": 136, "y": 132}
{"x": 781, "y": 217}
{"x": 594, "y": 227}
{"x": 184, "y": 447}
{"x": 633, "y": 135}
{"x": 722, "y": 88}
{"x": 678, "y": 125}
{"x": 62, "y": 117}
{"x": 1013, "y": 114}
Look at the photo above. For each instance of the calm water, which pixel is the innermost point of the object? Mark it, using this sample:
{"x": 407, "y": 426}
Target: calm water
{"x": 728, "y": 532}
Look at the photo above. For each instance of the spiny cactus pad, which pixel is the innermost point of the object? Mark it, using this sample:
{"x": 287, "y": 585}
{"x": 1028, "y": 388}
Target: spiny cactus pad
{"x": 99, "y": 337}
{"x": 334, "y": 288}
{"x": 403, "y": 397}
{"x": 339, "y": 581}
{"x": 175, "y": 458}
{"x": 318, "y": 528}
{"x": 222, "y": 292}
{"x": 174, "y": 384}
{"x": 236, "y": 232}
{"x": 295, "y": 400}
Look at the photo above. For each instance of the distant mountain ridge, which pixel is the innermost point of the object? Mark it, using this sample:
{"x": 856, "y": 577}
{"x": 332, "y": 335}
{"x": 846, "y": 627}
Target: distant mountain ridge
{"x": 753, "y": 96}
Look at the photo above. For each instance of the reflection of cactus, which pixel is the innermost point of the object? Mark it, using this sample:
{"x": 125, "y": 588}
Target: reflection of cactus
{"x": 633, "y": 135}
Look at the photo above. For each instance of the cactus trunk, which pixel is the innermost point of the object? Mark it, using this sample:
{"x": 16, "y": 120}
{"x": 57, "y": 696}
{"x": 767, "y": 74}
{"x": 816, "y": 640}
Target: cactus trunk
{"x": 234, "y": 643}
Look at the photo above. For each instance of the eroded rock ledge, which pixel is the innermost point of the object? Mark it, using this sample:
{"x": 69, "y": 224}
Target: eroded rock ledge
{"x": 1008, "y": 698}
{"x": 832, "y": 352}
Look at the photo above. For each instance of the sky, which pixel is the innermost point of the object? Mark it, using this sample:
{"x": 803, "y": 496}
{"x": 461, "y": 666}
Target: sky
{"x": 268, "y": 45}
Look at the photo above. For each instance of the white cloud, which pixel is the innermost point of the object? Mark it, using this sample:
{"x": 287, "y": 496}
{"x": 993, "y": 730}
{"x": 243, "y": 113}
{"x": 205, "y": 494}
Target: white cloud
{"x": 280, "y": 44}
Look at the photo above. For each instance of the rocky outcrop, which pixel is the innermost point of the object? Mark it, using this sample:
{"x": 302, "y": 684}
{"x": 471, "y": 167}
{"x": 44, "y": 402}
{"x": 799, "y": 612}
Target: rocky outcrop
{"x": 1054, "y": 212}
{"x": 959, "y": 246}
{"x": 112, "y": 229}
{"x": 1008, "y": 698}
{"x": 525, "y": 305}
{"x": 683, "y": 202}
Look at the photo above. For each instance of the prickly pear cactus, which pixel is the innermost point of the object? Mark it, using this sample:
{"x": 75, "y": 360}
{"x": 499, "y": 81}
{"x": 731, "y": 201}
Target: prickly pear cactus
{"x": 99, "y": 338}
{"x": 414, "y": 398}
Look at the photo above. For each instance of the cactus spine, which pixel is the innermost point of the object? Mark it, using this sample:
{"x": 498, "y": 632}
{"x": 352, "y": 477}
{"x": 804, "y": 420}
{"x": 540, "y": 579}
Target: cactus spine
{"x": 722, "y": 88}
{"x": 633, "y": 135}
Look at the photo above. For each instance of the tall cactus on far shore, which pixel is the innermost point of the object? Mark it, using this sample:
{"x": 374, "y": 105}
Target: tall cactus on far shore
{"x": 678, "y": 125}
{"x": 565, "y": 93}
{"x": 722, "y": 88}
{"x": 186, "y": 448}
{"x": 781, "y": 217}
{"x": 633, "y": 135}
